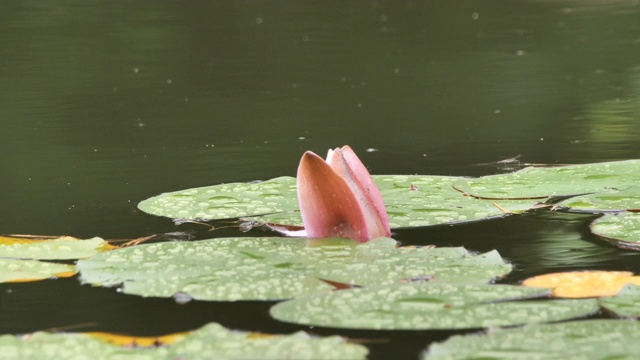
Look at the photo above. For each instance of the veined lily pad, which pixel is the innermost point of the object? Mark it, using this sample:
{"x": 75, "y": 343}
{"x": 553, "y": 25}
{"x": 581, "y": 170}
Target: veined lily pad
{"x": 14, "y": 270}
{"x": 610, "y": 199}
{"x": 229, "y": 269}
{"x": 556, "y": 181}
{"x": 589, "y": 339}
{"x": 622, "y": 230}
{"x": 429, "y": 306}
{"x": 625, "y": 303}
{"x": 411, "y": 201}
{"x": 210, "y": 342}
{"x": 62, "y": 248}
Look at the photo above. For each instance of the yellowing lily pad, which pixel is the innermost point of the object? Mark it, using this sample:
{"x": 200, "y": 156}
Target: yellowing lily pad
{"x": 210, "y": 342}
{"x": 429, "y": 306}
{"x": 414, "y": 200}
{"x": 582, "y": 284}
{"x": 138, "y": 341}
{"x": 62, "y": 248}
{"x": 229, "y": 269}
{"x": 589, "y": 339}
{"x": 13, "y": 270}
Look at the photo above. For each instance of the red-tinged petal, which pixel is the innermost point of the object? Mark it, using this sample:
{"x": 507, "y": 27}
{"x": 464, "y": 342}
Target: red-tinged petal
{"x": 370, "y": 187}
{"x": 327, "y": 205}
{"x": 345, "y": 162}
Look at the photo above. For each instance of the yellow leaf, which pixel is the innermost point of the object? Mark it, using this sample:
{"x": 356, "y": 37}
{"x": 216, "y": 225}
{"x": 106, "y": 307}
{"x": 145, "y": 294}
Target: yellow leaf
{"x": 64, "y": 274}
{"x": 582, "y": 284}
{"x": 138, "y": 341}
{"x": 20, "y": 239}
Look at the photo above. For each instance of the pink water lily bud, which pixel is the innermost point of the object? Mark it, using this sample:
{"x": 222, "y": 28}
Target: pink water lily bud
{"x": 338, "y": 197}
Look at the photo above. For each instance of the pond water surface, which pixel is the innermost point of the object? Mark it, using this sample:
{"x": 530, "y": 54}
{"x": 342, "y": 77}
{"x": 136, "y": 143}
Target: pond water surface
{"x": 104, "y": 104}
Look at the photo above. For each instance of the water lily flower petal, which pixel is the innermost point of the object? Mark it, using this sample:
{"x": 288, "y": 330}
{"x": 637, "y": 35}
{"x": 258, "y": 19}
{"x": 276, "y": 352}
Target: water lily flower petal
{"x": 333, "y": 202}
{"x": 366, "y": 185}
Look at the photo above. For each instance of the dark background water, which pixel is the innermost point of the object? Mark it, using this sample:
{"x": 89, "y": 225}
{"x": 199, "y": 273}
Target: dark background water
{"x": 106, "y": 103}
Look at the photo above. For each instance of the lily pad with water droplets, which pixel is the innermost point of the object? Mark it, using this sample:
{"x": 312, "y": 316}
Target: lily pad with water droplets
{"x": 622, "y": 230}
{"x": 608, "y": 200}
{"x": 539, "y": 183}
{"x": 16, "y": 270}
{"x": 414, "y": 200}
{"x": 430, "y": 306}
{"x": 209, "y": 342}
{"x": 62, "y": 248}
{"x": 626, "y": 303}
{"x": 588, "y": 339}
{"x": 229, "y": 269}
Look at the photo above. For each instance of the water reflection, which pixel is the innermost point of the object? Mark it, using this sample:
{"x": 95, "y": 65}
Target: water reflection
{"x": 105, "y": 103}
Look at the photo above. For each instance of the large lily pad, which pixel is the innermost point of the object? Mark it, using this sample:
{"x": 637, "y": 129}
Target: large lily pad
{"x": 621, "y": 229}
{"x": 589, "y": 339}
{"x": 210, "y": 342}
{"x": 429, "y": 306}
{"x": 61, "y": 248}
{"x": 229, "y": 269}
{"x": 411, "y": 201}
{"x": 556, "y": 181}
{"x": 14, "y": 270}
{"x": 226, "y": 201}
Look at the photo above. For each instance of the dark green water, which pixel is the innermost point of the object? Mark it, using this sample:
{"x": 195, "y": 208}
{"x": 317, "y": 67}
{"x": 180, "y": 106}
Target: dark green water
{"x": 105, "y": 103}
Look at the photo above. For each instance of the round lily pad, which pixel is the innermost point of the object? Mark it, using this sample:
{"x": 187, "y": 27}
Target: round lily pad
{"x": 556, "y": 181}
{"x": 62, "y": 248}
{"x": 229, "y": 269}
{"x": 210, "y": 342}
{"x": 607, "y": 200}
{"x": 15, "y": 270}
{"x": 429, "y": 306}
{"x": 622, "y": 230}
{"x": 410, "y": 201}
{"x": 588, "y": 339}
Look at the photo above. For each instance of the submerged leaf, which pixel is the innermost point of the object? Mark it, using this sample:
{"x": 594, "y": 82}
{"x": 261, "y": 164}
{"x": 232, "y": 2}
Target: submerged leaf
{"x": 429, "y": 306}
{"x": 209, "y": 342}
{"x": 589, "y": 339}
{"x": 228, "y": 269}
{"x": 14, "y": 270}
{"x": 581, "y": 284}
{"x": 62, "y": 248}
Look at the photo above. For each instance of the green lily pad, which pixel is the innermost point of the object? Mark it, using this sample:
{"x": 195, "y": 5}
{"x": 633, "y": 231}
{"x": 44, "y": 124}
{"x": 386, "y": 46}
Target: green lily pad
{"x": 410, "y": 200}
{"x": 14, "y": 270}
{"x": 588, "y": 339}
{"x": 610, "y": 199}
{"x": 63, "y": 248}
{"x": 626, "y": 303}
{"x": 429, "y": 306}
{"x": 226, "y": 201}
{"x": 622, "y": 230}
{"x": 229, "y": 269}
{"x": 556, "y": 181}
{"x": 209, "y": 342}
